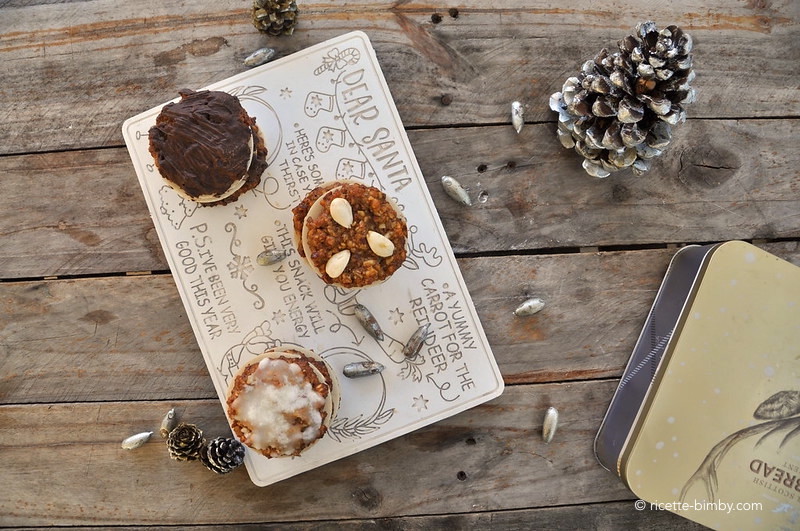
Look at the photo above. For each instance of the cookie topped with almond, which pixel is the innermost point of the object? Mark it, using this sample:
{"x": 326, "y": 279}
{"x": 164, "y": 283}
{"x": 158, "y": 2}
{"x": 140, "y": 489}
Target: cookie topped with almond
{"x": 352, "y": 235}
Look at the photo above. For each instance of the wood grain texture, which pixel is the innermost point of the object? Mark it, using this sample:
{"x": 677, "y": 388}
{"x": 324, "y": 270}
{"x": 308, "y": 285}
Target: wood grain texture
{"x": 121, "y": 338}
{"x": 720, "y": 180}
{"x": 77, "y": 70}
{"x": 74, "y": 212}
{"x": 86, "y": 362}
{"x": 490, "y": 458}
{"x": 128, "y": 338}
{"x": 610, "y": 516}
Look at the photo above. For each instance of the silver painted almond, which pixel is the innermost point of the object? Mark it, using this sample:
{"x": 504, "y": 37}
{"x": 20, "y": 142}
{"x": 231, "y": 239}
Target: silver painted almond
{"x": 517, "y": 116}
{"x": 135, "y": 441}
{"x": 337, "y": 263}
{"x": 456, "y": 192}
{"x": 550, "y": 424}
{"x": 529, "y": 307}
{"x": 360, "y": 369}
{"x": 259, "y": 57}
{"x": 342, "y": 212}
{"x": 416, "y": 341}
{"x": 380, "y": 244}
{"x": 368, "y": 321}
{"x": 271, "y": 256}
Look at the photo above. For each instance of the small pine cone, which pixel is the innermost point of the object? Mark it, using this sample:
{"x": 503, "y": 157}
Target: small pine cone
{"x": 185, "y": 441}
{"x": 276, "y": 17}
{"x": 222, "y": 455}
{"x": 618, "y": 111}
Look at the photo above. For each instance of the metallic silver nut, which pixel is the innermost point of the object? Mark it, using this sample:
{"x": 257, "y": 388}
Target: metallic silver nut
{"x": 416, "y": 341}
{"x": 271, "y": 256}
{"x": 517, "y": 116}
{"x": 368, "y": 321}
{"x": 456, "y": 192}
{"x": 168, "y": 423}
{"x": 259, "y": 57}
{"x": 550, "y": 424}
{"x": 529, "y": 307}
{"x": 360, "y": 369}
{"x": 135, "y": 441}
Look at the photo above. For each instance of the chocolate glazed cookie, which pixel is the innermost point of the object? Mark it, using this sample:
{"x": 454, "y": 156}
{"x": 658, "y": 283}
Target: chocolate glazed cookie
{"x": 207, "y": 148}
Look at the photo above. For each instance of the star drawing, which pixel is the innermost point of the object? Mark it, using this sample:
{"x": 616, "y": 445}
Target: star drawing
{"x": 420, "y": 403}
{"x": 241, "y": 212}
{"x": 279, "y": 317}
{"x": 286, "y": 93}
{"x": 396, "y": 316}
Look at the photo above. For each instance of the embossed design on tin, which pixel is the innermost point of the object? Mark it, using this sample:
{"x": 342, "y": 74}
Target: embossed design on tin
{"x": 420, "y": 252}
{"x": 781, "y": 413}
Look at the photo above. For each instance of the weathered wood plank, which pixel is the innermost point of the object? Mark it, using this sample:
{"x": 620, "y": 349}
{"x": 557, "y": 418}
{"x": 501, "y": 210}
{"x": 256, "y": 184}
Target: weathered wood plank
{"x": 67, "y": 467}
{"x": 77, "y": 70}
{"x": 721, "y": 180}
{"x": 128, "y": 338}
{"x": 74, "y": 213}
{"x": 610, "y": 516}
{"x": 63, "y": 341}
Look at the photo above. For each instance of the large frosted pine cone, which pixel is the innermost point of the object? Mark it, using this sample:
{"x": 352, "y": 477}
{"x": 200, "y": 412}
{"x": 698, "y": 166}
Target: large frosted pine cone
{"x": 619, "y": 110}
{"x": 185, "y": 442}
{"x": 222, "y": 455}
{"x": 276, "y": 17}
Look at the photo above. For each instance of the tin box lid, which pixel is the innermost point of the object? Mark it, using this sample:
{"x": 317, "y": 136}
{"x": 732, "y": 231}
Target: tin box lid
{"x": 721, "y": 424}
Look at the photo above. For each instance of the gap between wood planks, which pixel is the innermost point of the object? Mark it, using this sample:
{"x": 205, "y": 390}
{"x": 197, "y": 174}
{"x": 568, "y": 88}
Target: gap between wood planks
{"x": 544, "y": 251}
{"x": 426, "y": 128}
{"x": 199, "y": 399}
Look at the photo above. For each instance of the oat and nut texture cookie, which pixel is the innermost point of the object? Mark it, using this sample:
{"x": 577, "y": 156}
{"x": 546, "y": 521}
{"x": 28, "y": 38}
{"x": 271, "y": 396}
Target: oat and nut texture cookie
{"x": 353, "y": 235}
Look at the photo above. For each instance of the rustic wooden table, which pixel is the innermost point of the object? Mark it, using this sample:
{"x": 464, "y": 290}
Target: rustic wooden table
{"x": 96, "y": 344}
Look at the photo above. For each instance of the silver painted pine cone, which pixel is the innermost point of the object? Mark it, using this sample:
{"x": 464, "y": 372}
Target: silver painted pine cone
{"x": 185, "y": 442}
{"x": 618, "y": 111}
{"x": 276, "y": 17}
{"x": 222, "y": 455}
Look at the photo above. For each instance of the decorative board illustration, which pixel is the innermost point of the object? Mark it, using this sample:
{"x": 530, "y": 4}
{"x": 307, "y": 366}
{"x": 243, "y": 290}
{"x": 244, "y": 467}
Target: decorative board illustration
{"x": 326, "y": 113}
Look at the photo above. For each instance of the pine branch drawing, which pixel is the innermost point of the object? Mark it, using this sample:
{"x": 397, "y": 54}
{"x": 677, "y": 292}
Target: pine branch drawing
{"x": 361, "y": 425}
{"x": 781, "y": 413}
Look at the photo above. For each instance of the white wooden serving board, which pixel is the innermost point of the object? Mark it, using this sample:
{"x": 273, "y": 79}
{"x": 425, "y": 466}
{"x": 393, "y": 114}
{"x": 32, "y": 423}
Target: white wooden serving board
{"x": 326, "y": 113}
